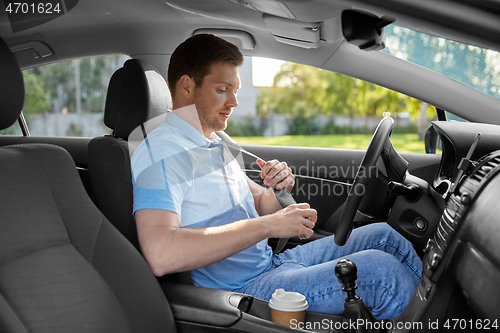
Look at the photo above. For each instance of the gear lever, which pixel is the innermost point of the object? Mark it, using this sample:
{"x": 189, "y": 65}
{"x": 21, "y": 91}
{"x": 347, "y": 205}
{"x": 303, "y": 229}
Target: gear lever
{"x": 355, "y": 312}
{"x": 346, "y": 271}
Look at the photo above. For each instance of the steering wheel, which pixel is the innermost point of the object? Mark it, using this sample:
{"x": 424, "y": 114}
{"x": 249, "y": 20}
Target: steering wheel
{"x": 375, "y": 149}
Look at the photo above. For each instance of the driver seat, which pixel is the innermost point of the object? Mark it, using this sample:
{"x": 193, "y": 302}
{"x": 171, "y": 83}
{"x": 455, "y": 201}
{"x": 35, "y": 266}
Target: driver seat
{"x": 63, "y": 266}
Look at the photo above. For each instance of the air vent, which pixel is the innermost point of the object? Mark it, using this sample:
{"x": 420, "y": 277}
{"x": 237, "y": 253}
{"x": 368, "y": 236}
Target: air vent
{"x": 485, "y": 167}
{"x": 457, "y": 208}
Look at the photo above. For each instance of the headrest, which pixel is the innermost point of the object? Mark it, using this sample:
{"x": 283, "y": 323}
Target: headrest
{"x": 136, "y": 93}
{"x": 11, "y": 87}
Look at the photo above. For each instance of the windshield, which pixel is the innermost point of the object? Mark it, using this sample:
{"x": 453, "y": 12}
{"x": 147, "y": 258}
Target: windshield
{"x": 471, "y": 65}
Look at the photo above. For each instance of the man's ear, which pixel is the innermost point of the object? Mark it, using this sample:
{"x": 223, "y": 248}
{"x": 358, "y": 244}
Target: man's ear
{"x": 185, "y": 87}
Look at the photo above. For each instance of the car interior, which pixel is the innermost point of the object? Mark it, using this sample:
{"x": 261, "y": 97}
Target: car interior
{"x": 71, "y": 260}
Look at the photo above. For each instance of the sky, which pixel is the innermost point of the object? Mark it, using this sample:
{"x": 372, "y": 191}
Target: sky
{"x": 263, "y": 71}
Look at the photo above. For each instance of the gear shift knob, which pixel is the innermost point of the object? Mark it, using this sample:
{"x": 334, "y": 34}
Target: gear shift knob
{"x": 354, "y": 307}
{"x": 346, "y": 271}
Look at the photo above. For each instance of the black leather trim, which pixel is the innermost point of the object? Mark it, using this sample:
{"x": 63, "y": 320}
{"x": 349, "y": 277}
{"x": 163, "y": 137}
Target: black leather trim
{"x": 136, "y": 93}
{"x": 202, "y": 305}
{"x": 11, "y": 87}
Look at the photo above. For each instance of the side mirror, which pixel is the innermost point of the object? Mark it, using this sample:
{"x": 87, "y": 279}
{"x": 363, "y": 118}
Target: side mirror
{"x": 364, "y": 29}
{"x": 431, "y": 140}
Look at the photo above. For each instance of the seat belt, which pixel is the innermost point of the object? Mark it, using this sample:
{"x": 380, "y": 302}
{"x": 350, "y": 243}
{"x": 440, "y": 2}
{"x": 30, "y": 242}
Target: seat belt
{"x": 284, "y": 196}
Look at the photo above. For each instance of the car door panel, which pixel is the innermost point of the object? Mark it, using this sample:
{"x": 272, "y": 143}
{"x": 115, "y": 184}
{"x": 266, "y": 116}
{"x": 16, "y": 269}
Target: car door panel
{"x": 331, "y": 169}
{"x": 76, "y": 146}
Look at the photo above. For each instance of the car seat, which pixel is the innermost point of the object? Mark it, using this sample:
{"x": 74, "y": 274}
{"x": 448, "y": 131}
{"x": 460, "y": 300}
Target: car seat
{"x": 136, "y": 94}
{"x": 63, "y": 266}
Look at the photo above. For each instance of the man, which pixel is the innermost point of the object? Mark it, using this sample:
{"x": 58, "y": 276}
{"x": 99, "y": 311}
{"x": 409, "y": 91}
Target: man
{"x": 197, "y": 211}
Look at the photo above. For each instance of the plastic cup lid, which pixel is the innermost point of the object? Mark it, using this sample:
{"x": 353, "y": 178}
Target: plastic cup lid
{"x": 288, "y": 301}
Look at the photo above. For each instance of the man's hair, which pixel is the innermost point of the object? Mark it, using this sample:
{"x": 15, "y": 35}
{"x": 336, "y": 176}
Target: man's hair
{"x": 196, "y": 55}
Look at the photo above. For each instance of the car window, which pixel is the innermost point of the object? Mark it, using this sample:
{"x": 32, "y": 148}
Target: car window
{"x": 67, "y": 98}
{"x": 14, "y": 129}
{"x": 453, "y": 117}
{"x": 280, "y": 103}
{"x": 283, "y": 103}
{"x": 474, "y": 66}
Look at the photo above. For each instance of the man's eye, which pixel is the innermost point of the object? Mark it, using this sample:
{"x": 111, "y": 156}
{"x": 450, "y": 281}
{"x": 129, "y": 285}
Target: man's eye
{"x": 221, "y": 91}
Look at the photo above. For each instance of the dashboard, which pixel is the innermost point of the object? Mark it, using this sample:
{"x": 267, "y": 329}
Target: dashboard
{"x": 456, "y": 141}
{"x": 461, "y": 262}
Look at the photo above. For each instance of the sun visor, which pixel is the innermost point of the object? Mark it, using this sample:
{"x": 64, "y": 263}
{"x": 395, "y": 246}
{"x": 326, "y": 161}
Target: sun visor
{"x": 276, "y": 8}
{"x": 242, "y": 39}
{"x": 293, "y": 32}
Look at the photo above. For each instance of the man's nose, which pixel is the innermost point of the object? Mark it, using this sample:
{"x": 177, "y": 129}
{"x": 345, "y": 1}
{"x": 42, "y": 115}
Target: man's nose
{"x": 232, "y": 101}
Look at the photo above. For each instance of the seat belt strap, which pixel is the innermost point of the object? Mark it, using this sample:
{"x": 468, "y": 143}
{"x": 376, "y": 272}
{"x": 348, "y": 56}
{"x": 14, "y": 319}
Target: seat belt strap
{"x": 284, "y": 197}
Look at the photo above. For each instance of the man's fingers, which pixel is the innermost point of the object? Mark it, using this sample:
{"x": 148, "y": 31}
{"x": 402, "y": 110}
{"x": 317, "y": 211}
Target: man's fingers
{"x": 303, "y": 205}
{"x": 273, "y": 169}
{"x": 309, "y": 224}
{"x": 310, "y": 214}
{"x": 289, "y": 180}
{"x": 276, "y": 173}
{"x": 266, "y": 166}
{"x": 305, "y": 210}
{"x": 307, "y": 233}
{"x": 261, "y": 163}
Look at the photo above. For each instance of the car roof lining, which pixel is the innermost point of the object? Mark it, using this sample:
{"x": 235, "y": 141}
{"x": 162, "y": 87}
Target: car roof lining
{"x": 112, "y": 28}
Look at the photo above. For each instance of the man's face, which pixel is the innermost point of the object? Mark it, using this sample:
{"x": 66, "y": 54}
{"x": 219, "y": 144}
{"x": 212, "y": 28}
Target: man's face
{"x": 216, "y": 97}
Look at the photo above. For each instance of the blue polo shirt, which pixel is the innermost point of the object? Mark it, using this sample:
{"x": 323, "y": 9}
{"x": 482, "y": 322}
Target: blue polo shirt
{"x": 176, "y": 168}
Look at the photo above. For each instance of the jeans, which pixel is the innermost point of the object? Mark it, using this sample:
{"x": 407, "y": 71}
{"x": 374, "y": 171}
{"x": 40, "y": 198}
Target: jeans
{"x": 389, "y": 271}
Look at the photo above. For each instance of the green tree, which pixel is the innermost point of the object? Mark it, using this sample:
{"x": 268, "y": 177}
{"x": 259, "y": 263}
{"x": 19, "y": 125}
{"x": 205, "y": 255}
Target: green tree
{"x": 36, "y": 100}
{"x": 61, "y": 81}
{"x": 308, "y": 91}
{"x": 473, "y": 66}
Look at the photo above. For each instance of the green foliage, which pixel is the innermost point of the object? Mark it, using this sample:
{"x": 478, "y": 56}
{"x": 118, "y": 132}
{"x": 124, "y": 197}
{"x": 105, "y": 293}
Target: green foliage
{"x": 36, "y": 99}
{"x": 467, "y": 64}
{"x": 74, "y": 130}
{"x": 303, "y": 125}
{"x": 401, "y": 142}
{"x": 412, "y": 128}
{"x": 303, "y": 89}
{"x": 12, "y": 130}
{"x": 331, "y": 128}
{"x": 61, "y": 81}
{"x": 250, "y": 127}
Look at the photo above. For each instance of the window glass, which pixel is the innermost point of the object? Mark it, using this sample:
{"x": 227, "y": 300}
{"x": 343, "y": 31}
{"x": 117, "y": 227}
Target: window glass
{"x": 14, "y": 129}
{"x": 299, "y": 105}
{"x": 473, "y": 66}
{"x": 451, "y": 117}
{"x": 67, "y": 98}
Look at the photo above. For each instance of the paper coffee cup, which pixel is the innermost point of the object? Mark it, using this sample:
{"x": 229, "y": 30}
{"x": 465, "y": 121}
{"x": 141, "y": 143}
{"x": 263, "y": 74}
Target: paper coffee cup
{"x": 288, "y": 307}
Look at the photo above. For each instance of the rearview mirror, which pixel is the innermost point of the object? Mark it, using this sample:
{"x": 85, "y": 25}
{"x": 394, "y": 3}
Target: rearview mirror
{"x": 364, "y": 29}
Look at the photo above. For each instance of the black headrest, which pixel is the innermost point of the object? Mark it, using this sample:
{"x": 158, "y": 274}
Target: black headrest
{"x": 11, "y": 87}
{"x": 136, "y": 93}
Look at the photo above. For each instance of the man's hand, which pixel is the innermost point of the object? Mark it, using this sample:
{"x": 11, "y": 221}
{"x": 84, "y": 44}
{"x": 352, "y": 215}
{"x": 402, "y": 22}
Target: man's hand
{"x": 294, "y": 220}
{"x": 276, "y": 173}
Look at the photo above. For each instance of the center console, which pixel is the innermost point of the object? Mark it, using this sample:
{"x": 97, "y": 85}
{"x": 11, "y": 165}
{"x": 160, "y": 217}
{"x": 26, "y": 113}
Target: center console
{"x": 199, "y": 309}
